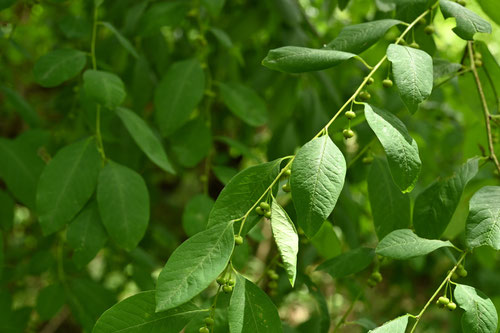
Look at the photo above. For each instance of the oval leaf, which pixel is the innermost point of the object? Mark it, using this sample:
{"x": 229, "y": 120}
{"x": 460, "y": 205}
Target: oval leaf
{"x": 136, "y": 314}
{"x": 413, "y": 73}
{"x": 294, "y": 59}
{"x": 480, "y": 314}
{"x": 401, "y": 149}
{"x": 397, "y": 325}
{"x": 195, "y": 215}
{"x": 177, "y": 94}
{"x": 123, "y": 201}
{"x": 251, "y": 310}
{"x": 57, "y": 66}
{"x": 286, "y": 238}
{"x": 348, "y": 263}
{"x": 318, "y": 174}
{"x": 145, "y": 138}
{"x": 483, "y": 222}
{"x": 194, "y": 265}
{"x": 104, "y": 88}
{"x": 244, "y": 103}
{"x": 404, "y": 244}
{"x": 66, "y": 184}
{"x": 468, "y": 22}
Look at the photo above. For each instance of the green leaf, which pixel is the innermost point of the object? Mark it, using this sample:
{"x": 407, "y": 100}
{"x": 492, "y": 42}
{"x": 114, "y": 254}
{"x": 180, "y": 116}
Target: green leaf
{"x": 359, "y": 37}
{"x": 413, "y": 73}
{"x": 490, "y": 8}
{"x": 242, "y": 191}
{"x": 177, "y": 94}
{"x": 169, "y": 14}
{"x": 435, "y": 206}
{"x": 192, "y": 142}
{"x": 123, "y": 200}
{"x": 251, "y": 310}
{"x": 26, "y": 111}
{"x": 318, "y": 174}
{"x": 404, "y": 244}
{"x": 49, "y": 301}
{"x": 443, "y": 68}
{"x": 390, "y": 211}
{"x": 136, "y": 314}
{"x": 401, "y": 149}
{"x": 6, "y": 211}
{"x": 480, "y": 314}
{"x": 66, "y": 184}
{"x": 86, "y": 235}
{"x": 104, "y": 88}
{"x": 294, "y": 59}
{"x": 195, "y": 215}
{"x": 348, "y": 263}
{"x": 244, "y": 103}
{"x": 58, "y": 66}
{"x": 123, "y": 41}
{"x": 194, "y": 265}
{"x": 286, "y": 238}
{"x": 397, "y": 325}
{"x": 326, "y": 241}
{"x": 468, "y": 22}
{"x": 149, "y": 143}
{"x": 483, "y": 222}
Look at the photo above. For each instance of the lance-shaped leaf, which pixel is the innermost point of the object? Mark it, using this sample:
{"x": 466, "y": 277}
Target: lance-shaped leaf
{"x": 413, "y": 73}
{"x": 468, "y": 22}
{"x": 145, "y": 138}
{"x": 194, "y": 265}
{"x": 483, "y": 222}
{"x": 480, "y": 313}
{"x": 104, "y": 88}
{"x": 244, "y": 103}
{"x": 435, "y": 206}
{"x": 359, "y": 37}
{"x": 121, "y": 39}
{"x": 286, "y": 239}
{"x": 123, "y": 201}
{"x": 348, "y": 263}
{"x": 390, "y": 211}
{"x": 66, "y": 184}
{"x": 177, "y": 94}
{"x": 242, "y": 191}
{"x": 251, "y": 310}
{"x": 58, "y": 66}
{"x": 397, "y": 325}
{"x": 401, "y": 149}
{"x": 404, "y": 244}
{"x": 294, "y": 59}
{"x": 136, "y": 314}
{"x": 318, "y": 174}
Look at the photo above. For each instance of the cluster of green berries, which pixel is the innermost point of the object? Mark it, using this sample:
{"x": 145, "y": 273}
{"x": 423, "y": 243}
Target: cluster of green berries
{"x": 264, "y": 209}
{"x": 227, "y": 284}
{"x": 444, "y": 302}
{"x": 478, "y": 59}
{"x": 286, "y": 187}
{"x": 374, "y": 279}
{"x": 273, "y": 276}
{"x": 348, "y": 132}
{"x": 209, "y": 322}
{"x": 461, "y": 271}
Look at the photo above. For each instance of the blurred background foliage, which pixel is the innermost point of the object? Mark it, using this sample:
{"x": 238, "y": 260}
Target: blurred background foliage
{"x": 230, "y": 39}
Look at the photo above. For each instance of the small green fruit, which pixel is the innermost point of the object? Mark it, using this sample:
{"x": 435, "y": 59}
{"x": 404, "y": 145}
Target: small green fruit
{"x": 287, "y": 188}
{"x": 267, "y": 215}
{"x": 451, "y": 306}
{"x": 478, "y": 55}
{"x": 204, "y": 330}
{"x": 350, "y": 114}
{"x": 371, "y": 283}
{"x": 209, "y": 321}
{"x": 231, "y": 282}
{"x": 272, "y": 285}
{"x": 274, "y": 276}
{"x": 443, "y": 300}
{"x": 415, "y": 45}
{"x": 264, "y": 205}
{"x": 439, "y": 304}
{"x": 288, "y": 172}
{"x": 462, "y": 272}
{"x": 238, "y": 240}
{"x": 227, "y": 289}
{"x": 478, "y": 63}
{"x": 429, "y": 30}
{"x": 221, "y": 280}
{"x": 422, "y": 21}
{"x": 370, "y": 81}
{"x": 365, "y": 95}
{"x": 348, "y": 133}
{"x": 367, "y": 159}
{"x": 259, "y": 210}
{"x": 387, "y": 83}
{"x": 377, "y": 277}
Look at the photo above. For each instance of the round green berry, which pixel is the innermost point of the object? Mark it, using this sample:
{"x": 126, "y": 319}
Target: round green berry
{"x": 227, "y": 289}
{"x": 288, "y": 172}
{"x": 439, "y": 304}
{"x": 422, "y": 21}
{"x": 429, "y": 30}
{"x": 238, "y": 240}
{"x": 287, "y": 188}
{"x": 478, "y": 55}
{"x": 365, "y": 95}
{"x": 204, "y": 329}
{"x": 231, "y": 282}
{"x": 370, "y": 80}
{"x": 267, "y": 214}
{"x": 415, "y": 45}
{"x": 264, "y": 205}
{"x": 259, "y": 210}
{"x": 371, "y": 283}
{"x": 443, "y": 300}
{"x": 221, "y": 280}
{"x": 350, "y": 114}
{"x": 377, "y": 277}
{"x": 272, "y": 285}
{"x": 348, "y": 133}
{"x": 387, "y": 83}
{"x": 478, "y": 63}
{"x": 451, "y": 306}
{"x": 462, "y": 272}
{"x": 209, "y": 321}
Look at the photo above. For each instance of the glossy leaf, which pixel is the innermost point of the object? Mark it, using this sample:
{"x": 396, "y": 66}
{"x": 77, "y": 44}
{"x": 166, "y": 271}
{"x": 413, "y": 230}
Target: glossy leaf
{"x": 468, "y": 22}
{"x": 359, "y": 37}
{"x": 435, "y": 206}
{"x": 86, "y": 235}
{"x": 58, "y": 66}
{"x": 123, "y": 201}
{"x": 244, "y": 103}
{"x": 6, "y": 211}
{"x": 194, "y": 265}
{"x": 390, "y": 211}
{"x": 121, "y": 39}
{"x": 480, "y": 313}
{"x": 404, "y": 244}
{"x": 251, "y": 310}
{"x": 195, "y": 215}
{"x": 66, "y": 184}
{"x": 318, "y": 174}
{"x": 348, "y": 263}
{"x": 294, "y": 59}
{"x": 413, "y": 73}
{"x": 483, "y": 222}
{"x": 397, "y": 325}
{"x": 286, "y": 238}
{"x": 177, "y": 94}
{"x": 149, "y": 143}
{"x": 104, "y": 88}
{"x": 136, "y": 314}
{"x": 399, "y": 146}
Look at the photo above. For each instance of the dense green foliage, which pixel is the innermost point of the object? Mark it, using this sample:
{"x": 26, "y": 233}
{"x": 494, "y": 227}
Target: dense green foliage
{"x": 249, "y": 166}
